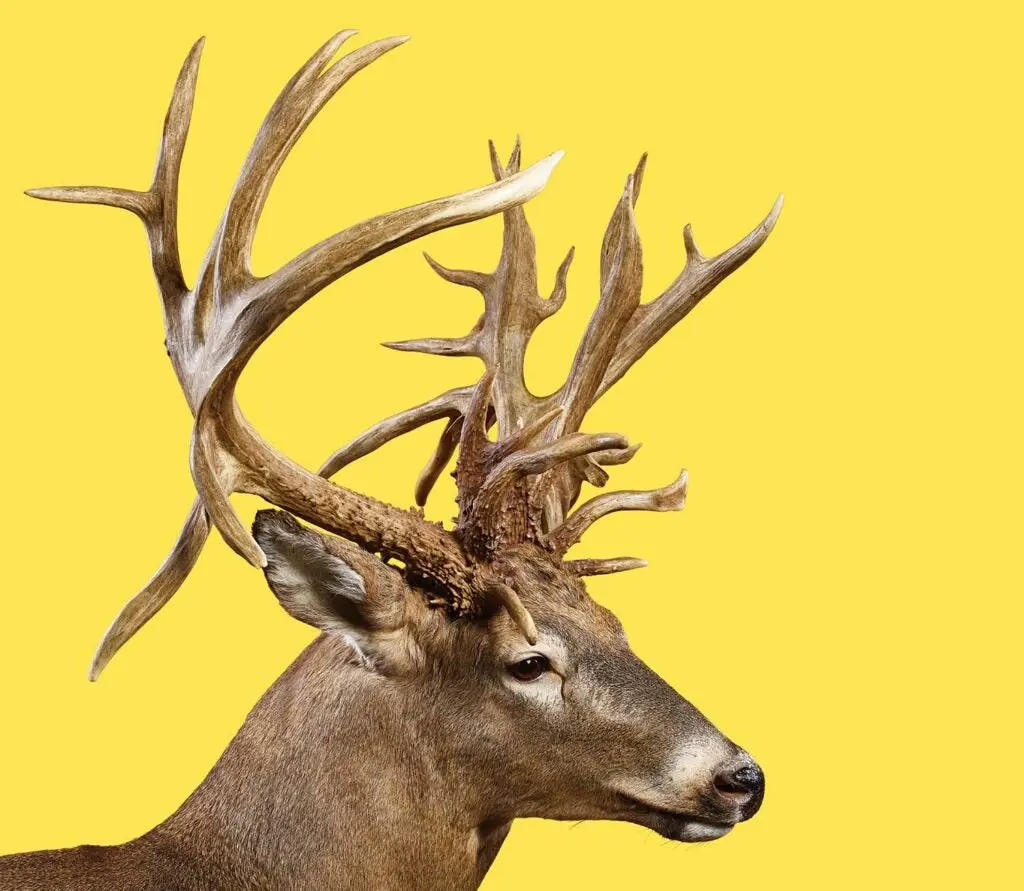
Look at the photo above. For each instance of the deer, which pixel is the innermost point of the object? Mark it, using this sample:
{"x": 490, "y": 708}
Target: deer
{"x": 463, "y": 677}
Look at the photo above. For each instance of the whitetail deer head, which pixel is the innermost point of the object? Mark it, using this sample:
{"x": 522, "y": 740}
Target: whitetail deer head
{"x": 471, "y": 660}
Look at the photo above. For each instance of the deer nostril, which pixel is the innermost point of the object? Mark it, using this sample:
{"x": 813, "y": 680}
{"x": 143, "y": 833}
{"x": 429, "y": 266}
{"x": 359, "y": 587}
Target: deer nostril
{"x": 745, "y": 784}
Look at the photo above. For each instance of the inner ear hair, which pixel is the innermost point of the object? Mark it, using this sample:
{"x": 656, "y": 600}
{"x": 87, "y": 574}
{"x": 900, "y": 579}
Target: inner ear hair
{"x": 326, "y": 581}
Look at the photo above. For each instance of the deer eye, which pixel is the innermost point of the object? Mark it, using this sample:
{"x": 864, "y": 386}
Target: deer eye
{"x": 529, "y": 669}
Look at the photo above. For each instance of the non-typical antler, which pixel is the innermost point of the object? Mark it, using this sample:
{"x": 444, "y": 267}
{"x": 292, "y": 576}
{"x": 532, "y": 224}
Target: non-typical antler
{"x": 523, "y": 486}
{"x": 214, "y": 328}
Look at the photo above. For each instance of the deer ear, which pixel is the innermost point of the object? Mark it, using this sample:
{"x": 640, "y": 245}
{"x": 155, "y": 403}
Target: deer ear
{"x": 316, "y": 581}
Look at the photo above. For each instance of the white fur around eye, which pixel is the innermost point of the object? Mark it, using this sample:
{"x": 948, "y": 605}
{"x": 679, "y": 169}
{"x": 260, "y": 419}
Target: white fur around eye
{"x": 547, "y": 689}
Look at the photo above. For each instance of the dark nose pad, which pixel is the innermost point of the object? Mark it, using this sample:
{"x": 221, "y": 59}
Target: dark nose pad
{"x": 743, "y": 784}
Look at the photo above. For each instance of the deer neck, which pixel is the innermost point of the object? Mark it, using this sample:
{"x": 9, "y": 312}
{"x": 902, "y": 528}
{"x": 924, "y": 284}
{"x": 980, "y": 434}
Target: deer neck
{"x": 329, "y": 784}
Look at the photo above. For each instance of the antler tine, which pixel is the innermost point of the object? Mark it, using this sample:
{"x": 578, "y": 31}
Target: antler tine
{"x": 474, "y": 446}
{"x": 518, "y": 612}
{"x": 672, "y": 497}
{"x": 214, "y": 330}
{"x": 449, "y": 405}
{"x": 436, "y": 346}
{"x": 591, "y": 468}
{"x": 604, "y": 566}
{"x": 442, "y": 454}
{"x": 621, "y": 280}
{"x": 300, "y": 101}
{"x": 465, "y": 277}
{"x": 615, "y": 457}
{"x": 531, "y": 461}
{"x": 699, "y": 277}
{"x": 158, "y": 206}
{"x": 157, "y": 591}
{"x": 164, "y": 190}
{"x": 558, "y": 293}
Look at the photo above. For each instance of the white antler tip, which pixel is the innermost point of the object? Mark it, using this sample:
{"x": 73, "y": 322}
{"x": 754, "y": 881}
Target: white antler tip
{"x": 675, "y": 494}
{"x": 544, "y": 166}
{"x": 101, "y": 658}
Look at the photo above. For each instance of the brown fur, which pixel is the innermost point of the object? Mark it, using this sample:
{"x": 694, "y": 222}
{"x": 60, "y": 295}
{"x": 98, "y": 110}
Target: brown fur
{"x": 408, "y": 773}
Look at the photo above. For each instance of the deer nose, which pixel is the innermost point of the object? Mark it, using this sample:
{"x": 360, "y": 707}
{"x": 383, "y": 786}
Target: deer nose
{"x": 742, "y": 783}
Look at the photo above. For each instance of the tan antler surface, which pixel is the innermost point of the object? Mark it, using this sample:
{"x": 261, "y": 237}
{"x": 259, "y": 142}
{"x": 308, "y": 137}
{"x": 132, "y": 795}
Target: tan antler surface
{"x": 604, "y": 566}
{"x": 671, "y": 497}
{"x": 521, "y": 487}
{"x": 214, "y": 328}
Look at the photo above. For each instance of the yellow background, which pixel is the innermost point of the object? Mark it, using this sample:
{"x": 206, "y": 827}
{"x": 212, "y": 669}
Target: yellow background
{"x": 841, "y": 594}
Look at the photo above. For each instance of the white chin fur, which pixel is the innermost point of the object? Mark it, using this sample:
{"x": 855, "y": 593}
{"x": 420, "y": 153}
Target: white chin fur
{"x": 696, "y": 831}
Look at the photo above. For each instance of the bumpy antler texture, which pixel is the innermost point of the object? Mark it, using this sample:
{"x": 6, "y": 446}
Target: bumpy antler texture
{"x": 522, "y": 487}
{"x": 214, "y": 328}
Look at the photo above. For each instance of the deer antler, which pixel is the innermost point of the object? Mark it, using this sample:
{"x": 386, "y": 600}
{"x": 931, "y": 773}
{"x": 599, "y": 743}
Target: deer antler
{"x": 213, "y": 329}
{"x": 671, "y": 497}
{"x": 517, "y": 489}
{"x": 498, "y": 503}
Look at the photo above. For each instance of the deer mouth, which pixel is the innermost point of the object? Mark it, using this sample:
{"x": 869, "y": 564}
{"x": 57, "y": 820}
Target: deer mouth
{"x": 673, "y": 825}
